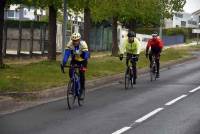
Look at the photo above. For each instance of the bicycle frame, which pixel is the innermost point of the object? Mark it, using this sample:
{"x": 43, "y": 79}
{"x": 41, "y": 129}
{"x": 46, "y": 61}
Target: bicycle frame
{"x": 130, "y": 74}
{"x": 75, "y": 79}
{"x": 153, "y": 67}
{"x": 74, "y": 87}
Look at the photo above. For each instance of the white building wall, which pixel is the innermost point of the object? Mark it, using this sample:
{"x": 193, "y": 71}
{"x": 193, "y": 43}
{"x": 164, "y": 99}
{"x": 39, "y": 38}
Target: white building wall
{"x": 122, "y": 35}
{"x": 28, "y": 13}
{"x": 24, "y": 13}
{"x": 182, "y": 20}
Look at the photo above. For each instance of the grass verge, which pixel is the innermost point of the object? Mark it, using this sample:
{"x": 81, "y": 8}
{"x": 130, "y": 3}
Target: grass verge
{"x": 46, "y": 74}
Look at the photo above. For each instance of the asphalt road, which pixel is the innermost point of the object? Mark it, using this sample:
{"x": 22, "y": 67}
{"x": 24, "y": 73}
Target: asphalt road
{"x": 170, "y": 105}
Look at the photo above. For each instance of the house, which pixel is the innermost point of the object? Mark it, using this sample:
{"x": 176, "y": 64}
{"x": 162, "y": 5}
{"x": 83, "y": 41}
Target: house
{"x": 18, "y": 12}
{"x": 197, "y": 13}
{"x": 182, "y": 19}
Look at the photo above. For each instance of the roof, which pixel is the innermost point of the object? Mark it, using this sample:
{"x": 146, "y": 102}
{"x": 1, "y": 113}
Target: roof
{"x": 196, "y": 12}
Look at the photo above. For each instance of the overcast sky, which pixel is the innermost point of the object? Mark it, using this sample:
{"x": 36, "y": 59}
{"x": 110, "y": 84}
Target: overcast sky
{"x": 192, "y": 6}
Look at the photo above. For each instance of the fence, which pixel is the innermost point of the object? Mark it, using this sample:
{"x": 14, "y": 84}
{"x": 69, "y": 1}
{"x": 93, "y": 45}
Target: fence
{"x": 31, "y": 40}
{"x": 25, "y": 40}
{"x": 172, "y": 40}
{"x": 100, "y": 39}
{"x": 34, "y": 40}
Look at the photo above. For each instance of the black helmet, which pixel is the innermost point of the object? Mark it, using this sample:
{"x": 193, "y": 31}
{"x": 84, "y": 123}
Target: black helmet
{"x": 131, "y": 34}
{"x": 155, "y": 33}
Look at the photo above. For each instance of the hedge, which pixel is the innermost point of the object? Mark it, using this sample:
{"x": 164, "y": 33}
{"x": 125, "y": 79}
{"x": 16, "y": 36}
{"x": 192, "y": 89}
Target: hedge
{"x": 187, "y": 32}
{"x": 25, "y": 23}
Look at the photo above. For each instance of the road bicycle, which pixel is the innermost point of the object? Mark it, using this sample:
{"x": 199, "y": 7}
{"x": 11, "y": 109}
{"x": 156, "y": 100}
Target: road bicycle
{"x": 74, "y": 91}
{"x": 130, "y": 73}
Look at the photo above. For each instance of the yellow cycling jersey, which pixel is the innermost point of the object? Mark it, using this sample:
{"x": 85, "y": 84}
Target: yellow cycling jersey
{"x": 77, "y": 52}
{"x": 132, "y": 48}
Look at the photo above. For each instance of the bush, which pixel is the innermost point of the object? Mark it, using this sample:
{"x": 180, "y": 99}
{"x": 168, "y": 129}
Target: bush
{"x": 148, "y": 31}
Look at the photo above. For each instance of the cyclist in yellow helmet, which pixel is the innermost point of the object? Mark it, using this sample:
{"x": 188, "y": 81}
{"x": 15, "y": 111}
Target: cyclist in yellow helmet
{"x": 78, "y": 50}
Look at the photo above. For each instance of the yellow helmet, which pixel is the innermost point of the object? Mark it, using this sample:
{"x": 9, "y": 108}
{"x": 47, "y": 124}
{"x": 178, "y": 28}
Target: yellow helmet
{"x": 75, "y": 36}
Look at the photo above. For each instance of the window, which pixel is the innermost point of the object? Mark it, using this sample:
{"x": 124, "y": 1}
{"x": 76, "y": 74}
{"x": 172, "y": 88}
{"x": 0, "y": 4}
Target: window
{"x": 179, "y": 15}
{"x": 25, "y": 12}
{"x": 11, "y": 13}
{"x": 192, "y": 22}
{"x": 183, "y": 23}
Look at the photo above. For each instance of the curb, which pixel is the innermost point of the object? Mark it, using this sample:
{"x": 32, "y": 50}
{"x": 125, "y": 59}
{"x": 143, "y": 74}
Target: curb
{"x": 9, "y": 103}
{"x": 6, "y": 102}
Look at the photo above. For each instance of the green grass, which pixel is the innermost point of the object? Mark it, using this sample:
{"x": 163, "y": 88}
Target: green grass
{"x": 46, "y": 74}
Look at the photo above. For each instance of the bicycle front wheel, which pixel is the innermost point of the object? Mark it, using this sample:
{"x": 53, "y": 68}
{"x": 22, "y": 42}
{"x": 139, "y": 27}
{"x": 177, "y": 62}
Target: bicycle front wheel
{"x": 71, "y": 95}
{"x": 153, "y": 73}
{"x": 127, "y": 79}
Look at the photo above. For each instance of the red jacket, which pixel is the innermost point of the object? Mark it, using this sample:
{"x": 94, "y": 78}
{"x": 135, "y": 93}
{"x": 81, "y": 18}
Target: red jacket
{"x": 155, "y": 44}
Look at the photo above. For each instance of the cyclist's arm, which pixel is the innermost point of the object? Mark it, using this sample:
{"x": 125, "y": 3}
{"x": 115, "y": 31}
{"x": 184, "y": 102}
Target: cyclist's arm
{"x": 161, "y": 44}
{"x": 85, "y": 52}
{"x": 148, "y": 46}
{"x": 122, "y": 49}
{"x": 138, "y": 46}
{"x": 67, "y": 53}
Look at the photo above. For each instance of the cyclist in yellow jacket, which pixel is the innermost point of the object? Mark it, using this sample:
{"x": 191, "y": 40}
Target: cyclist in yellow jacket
{"x": 131, "y": 47}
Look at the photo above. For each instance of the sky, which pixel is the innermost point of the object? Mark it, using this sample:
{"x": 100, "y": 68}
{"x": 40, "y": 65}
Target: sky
{"x": 191, "y": 6}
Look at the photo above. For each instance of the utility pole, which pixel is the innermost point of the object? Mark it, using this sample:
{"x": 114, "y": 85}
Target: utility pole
{"x": 161, "y": 19}
{"x": 160, "y": 28}
{"x": 64, "y": 28}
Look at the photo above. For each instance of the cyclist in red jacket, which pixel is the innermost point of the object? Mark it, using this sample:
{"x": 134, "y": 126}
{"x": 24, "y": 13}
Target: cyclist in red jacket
{"x": 156, "y": 45}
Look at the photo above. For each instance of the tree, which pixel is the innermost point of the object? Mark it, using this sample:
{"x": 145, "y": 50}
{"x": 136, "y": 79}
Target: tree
{"x": 53, "y": 6}
{"x": 2, "y": 5}
{"x": 134, "y": 12}
{"x": 84, "y": 6}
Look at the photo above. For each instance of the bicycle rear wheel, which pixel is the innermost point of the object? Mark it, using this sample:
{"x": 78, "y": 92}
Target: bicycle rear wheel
{"x": 155, "y": 72}
{"x": 133, "y": 80}
{"x": 71, "y": 95}
{"x": 151, "y": 74}
{"x": 81, "y": 98}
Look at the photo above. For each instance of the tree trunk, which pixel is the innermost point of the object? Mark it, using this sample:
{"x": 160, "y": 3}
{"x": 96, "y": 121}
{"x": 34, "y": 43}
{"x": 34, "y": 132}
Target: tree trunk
{"x": 132, "y": 25}
{"x": 52, "y": 33}
{"x": 2, "y": 5}
{"x": 114, "y": 37}
{"x": 87, "y": 25}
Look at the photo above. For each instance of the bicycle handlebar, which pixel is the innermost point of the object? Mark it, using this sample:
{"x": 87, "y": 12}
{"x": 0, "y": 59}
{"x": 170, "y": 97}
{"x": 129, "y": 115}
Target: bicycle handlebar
{"x": 69, "y": 66}
{"x": 74, "y": 66}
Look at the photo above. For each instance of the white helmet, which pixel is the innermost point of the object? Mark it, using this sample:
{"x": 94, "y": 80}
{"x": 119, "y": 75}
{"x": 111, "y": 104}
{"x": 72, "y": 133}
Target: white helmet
{"x": 75, "y": 36}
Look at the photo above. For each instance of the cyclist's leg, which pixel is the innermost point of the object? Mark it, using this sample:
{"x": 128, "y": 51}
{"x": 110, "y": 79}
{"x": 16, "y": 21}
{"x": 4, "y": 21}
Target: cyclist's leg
{"x": 127, "y": 62}
{"x": 158, "y": 64}
{"x": 150, "y": 59}
{"x": 134, "y": 65}
{"x": 82, "y": 75}
{"x": 71, "y": 70}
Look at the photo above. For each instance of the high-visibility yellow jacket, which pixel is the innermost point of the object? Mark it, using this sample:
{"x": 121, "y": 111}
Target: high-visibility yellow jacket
{"x": 131, "y": 48}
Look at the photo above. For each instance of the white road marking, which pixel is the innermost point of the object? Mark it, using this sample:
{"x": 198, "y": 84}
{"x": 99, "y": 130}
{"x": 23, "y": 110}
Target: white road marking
{"x": 175, "y": 100}
{"x": 194, "y": 90}
{"x": 122, "y": 130}
{"x": 149, "y": 115}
